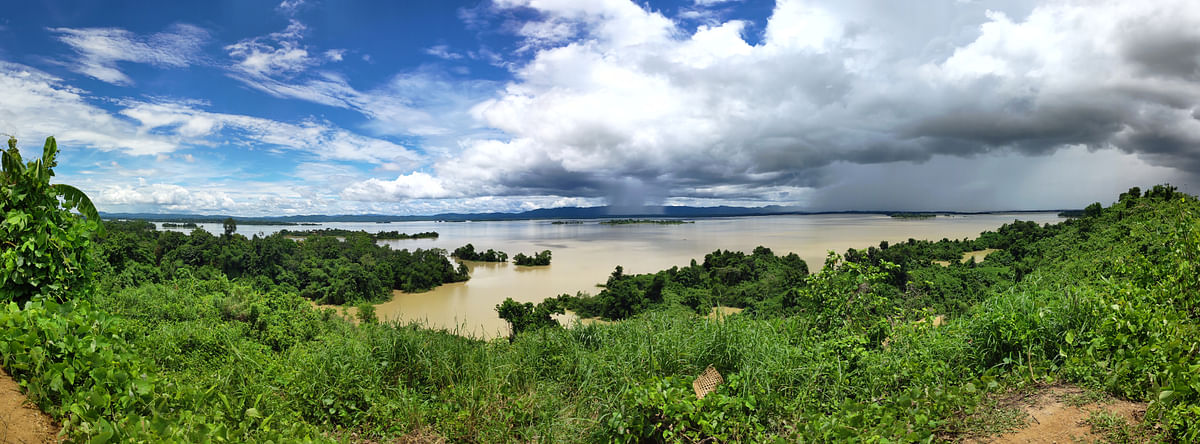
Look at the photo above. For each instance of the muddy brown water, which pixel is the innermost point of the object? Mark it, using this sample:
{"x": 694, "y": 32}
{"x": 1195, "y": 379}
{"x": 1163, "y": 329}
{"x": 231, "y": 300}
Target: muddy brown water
{"x": 585, "y": 254}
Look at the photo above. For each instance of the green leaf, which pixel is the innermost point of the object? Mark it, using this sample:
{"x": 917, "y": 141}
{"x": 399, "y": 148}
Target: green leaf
{"x": 1165, "y": 395}
{"x": 142, "y": 386}
{"x": 75, "y": 198}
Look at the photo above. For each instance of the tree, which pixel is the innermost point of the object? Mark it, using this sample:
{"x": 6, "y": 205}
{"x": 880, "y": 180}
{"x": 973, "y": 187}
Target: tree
{"x": 45, "y": 246}
{"x": 542, "y": 258}
{"x": 366, "y": 313}
{"x": 526, "y": 316}
{"x": 230, "y": 226}
{"x": 1133, "y": 194}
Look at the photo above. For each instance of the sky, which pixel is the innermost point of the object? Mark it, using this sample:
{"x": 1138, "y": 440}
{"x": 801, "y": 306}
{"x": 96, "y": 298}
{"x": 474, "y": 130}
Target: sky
{"x": 262, "y": 108}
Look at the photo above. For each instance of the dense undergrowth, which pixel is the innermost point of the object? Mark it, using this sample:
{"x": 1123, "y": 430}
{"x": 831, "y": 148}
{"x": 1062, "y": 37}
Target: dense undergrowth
{"x": 1108, "y": 300}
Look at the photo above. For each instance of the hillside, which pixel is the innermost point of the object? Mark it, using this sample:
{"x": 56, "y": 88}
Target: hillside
{"x": 1106, "y": 301}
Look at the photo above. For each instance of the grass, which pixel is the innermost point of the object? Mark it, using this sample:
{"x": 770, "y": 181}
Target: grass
{"x": 1118, "y": 430}
{"x": 1086, "y": 397}
{"x": 990, "y": 418}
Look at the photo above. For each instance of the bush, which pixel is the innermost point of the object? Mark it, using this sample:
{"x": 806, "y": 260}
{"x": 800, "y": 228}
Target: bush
{"x": 46, "y": 248}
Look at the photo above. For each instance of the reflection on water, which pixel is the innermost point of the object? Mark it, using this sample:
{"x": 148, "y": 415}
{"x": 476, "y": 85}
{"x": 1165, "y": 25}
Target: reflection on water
{"x": 585, "y": 254}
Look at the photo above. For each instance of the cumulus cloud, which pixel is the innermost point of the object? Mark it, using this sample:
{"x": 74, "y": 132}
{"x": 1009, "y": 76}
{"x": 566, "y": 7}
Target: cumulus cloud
{"x": 100, "y": 49}
{"x": 415, "y": 185}
{"x": 168, "y": 196}
{"x": 616, "y": 97}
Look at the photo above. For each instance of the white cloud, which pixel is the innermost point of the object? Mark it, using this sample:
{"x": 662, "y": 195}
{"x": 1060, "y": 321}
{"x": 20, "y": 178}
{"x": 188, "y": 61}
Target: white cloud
{"x": 320, "y": 139}
{"x": 617, "y": 97}
{"x": 620, "y": 23}
{"x": 415, "y": 185}
{"x": 100, "y": 49}
{"x": 168, "y": 196}
{"x": 443, "y": 52}
{"x": 39, "y": 105}
{"x": 290, "y": 6}
{"x": 277, "y": 53}
{"x": 335, "y": 55}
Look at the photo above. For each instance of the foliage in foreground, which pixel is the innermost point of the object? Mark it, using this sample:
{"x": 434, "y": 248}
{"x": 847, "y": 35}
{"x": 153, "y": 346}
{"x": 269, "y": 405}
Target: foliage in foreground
{"x": 44, "y": 248}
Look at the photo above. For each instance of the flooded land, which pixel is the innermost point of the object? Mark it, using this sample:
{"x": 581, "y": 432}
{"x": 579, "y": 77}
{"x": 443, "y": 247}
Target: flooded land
{"x": 584, "y": 254}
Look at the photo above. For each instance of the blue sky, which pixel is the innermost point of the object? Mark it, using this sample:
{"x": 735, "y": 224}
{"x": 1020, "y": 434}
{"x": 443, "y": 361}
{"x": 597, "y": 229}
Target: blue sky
{"x": 318, "y": 107}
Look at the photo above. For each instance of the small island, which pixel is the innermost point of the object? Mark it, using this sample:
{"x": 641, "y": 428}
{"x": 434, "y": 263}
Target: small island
{"x": 567, "y": 222}
{"x": 179, "y": 225}
{"x": 467, "y": 253}
{"x": 542, "y": 258}
{"x": 399, "y": 235}
{"x": 340, "y": 232}
{"x": 913, "y": 215}
{"x": 646, "y": 221}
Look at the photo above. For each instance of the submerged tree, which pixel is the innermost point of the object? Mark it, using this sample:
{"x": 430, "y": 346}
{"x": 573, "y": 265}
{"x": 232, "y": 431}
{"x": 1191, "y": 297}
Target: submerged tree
{"x": 541, "y": 258}
{"x": 527, "y": 316}
{"x": 45, "y": 245}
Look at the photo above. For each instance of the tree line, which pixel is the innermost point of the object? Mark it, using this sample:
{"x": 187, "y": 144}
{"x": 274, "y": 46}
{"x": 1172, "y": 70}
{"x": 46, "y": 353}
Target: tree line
{"x": 321, "y": 267}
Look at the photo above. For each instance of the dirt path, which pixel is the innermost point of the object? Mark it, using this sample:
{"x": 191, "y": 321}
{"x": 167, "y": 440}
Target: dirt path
{"x": 1059, "y": 414}
{"x": 20, "y": 421}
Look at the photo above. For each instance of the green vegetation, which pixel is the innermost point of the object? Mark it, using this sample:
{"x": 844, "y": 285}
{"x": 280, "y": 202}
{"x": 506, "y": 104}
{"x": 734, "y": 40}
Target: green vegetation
{"x": 567, "y": 222}
{"x": 180, "y": 225}
{"x": 321, "y": 267}
{"x": 212, "y": 347}
{"x": 398, "y": 235}
{"x": 467, "y": 253}
{"x": 527, "y": 316}
{"x": 542, "y": 258}
{"x": 645, "y": 221}
{"x": 45, "y": 248}
{"x": 340, "y": 232}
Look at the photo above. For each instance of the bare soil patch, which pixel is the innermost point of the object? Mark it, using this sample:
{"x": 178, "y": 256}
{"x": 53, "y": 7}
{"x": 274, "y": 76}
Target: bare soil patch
{"x": 720, "y": 312}
{"x": 347, "y": 312}
{"x": 979, "y": 255}
{"x": 21, "y": 421}
{"x": 1060, "y": 413}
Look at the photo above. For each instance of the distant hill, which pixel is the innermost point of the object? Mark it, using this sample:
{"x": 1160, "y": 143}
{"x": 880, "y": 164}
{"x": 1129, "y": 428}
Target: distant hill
{"x": 544, "y": 213}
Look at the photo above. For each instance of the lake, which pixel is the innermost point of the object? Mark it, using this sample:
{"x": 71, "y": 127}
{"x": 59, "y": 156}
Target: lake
{"x": 585, "y": 254}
